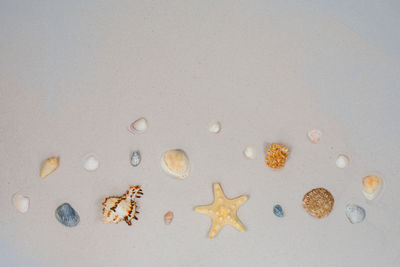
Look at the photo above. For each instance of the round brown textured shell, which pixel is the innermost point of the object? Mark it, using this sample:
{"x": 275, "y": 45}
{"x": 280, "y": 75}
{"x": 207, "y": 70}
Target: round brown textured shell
{"x": 318, "y": 202}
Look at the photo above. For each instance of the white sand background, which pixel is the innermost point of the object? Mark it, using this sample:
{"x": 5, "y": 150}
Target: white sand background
{"x": 74, "y": 75}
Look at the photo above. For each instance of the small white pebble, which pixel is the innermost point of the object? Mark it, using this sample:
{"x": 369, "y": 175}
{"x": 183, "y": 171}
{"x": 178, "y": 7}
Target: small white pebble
{"x": 214, "y": 127}
{"x": 249, "y": 152}
{"x": 90, "y": 163}
{"x": 342, "y": 161}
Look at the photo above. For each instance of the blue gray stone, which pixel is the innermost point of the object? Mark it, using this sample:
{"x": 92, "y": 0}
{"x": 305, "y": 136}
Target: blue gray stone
{"x": 278, "y": 211}
{"x": 355, "y": 213}
{"x": 136, "y": 159}
{"x": 66, "y": 215}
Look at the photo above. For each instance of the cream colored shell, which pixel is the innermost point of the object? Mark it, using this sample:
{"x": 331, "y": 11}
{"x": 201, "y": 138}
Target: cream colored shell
{"x": 176, "y": 163}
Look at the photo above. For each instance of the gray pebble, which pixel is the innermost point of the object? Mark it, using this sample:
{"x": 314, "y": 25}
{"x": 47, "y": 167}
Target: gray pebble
{"x": 66, "y": 215}
{"x": 136, "y": 158}
{"x": 278, "y": 211}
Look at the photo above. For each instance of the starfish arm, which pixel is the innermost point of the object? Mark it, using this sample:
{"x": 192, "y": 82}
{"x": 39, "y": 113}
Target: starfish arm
{"x": 240, "y": 200}
{"x": 236, "y": 223}
{"x": 218, "y": 191}
{"x": 214, "y": 230}
{"x": 202, "y": 209}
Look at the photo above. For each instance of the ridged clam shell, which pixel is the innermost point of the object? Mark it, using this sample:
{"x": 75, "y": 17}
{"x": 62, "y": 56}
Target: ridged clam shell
{"x": 176, "y": 163}
{"x": 49, "y": 166}
{"x": 21, "y": 203}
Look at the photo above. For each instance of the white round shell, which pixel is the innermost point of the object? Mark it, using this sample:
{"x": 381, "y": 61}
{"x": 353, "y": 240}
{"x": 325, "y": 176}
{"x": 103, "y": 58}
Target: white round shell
{"x": 90, "y": 163}
{"x": 214, "y": 127}
{"x": 249, "y": 152}
{"x": 21, "y": 203}
{"x": 342, "y": 161}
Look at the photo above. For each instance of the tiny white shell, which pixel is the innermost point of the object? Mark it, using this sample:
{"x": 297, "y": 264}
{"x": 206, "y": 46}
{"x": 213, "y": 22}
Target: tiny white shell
{"x": 21, "y": 203}
{"x": 168, "y": 217}
{"x": 342, "y": 161}
{"x": 138, "y": 126}
{"x": 249, "y": 152}
{"x": 90, "y": 163}
{"x": 314, "y": 135}
{"x": 214, "y": 127}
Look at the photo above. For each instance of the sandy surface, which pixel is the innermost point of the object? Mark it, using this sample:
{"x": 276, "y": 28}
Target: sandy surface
{"x": 74, "y": 76}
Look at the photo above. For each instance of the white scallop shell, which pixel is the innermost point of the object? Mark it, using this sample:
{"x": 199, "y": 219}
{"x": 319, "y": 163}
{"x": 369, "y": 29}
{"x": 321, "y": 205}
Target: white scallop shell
{"x": 249, "y": 152}
{"x": 138, "y": 126}
{"x": 176, "y": 163}
{"x": 214, "y": 127}
{"x": 21, "y": 203}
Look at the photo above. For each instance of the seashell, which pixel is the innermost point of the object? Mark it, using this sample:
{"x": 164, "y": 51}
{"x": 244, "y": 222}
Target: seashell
{"x": 176, "y": 163}
{"x": 21, "y": 203}
{"x": 123, "y": 207}
{"x": 276, "y": 156}
{"x": 372, "y": 186}
{"x": 278, "y": 211}
{"x": 136, "y": 158}
{"x": 314, "y": 135}
{"x": 49, "y": 166}
{"x": 355, "y": 213}
{"x": 249, "y": 152}
{"x": 90, "y": 163}
{"x": 138, "y": 126}
{"x": 214, "y": 127}
{"x": 342, "y": 161}
{"x": 67, "y": 216}
{"x": 318, "y": 202}
{"x": 168, "y": 217}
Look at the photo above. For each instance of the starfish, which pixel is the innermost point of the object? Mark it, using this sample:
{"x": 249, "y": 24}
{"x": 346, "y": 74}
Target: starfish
{"x": 222, "y": 211}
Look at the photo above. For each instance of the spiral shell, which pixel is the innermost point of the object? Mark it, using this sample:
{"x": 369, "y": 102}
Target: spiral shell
{"x": 121, "y": 208}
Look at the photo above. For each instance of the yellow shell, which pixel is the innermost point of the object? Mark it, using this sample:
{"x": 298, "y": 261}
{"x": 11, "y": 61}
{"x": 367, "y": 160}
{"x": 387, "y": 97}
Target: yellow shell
{"x": 49, "y": 166}
{"x": 176, "y": 163}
